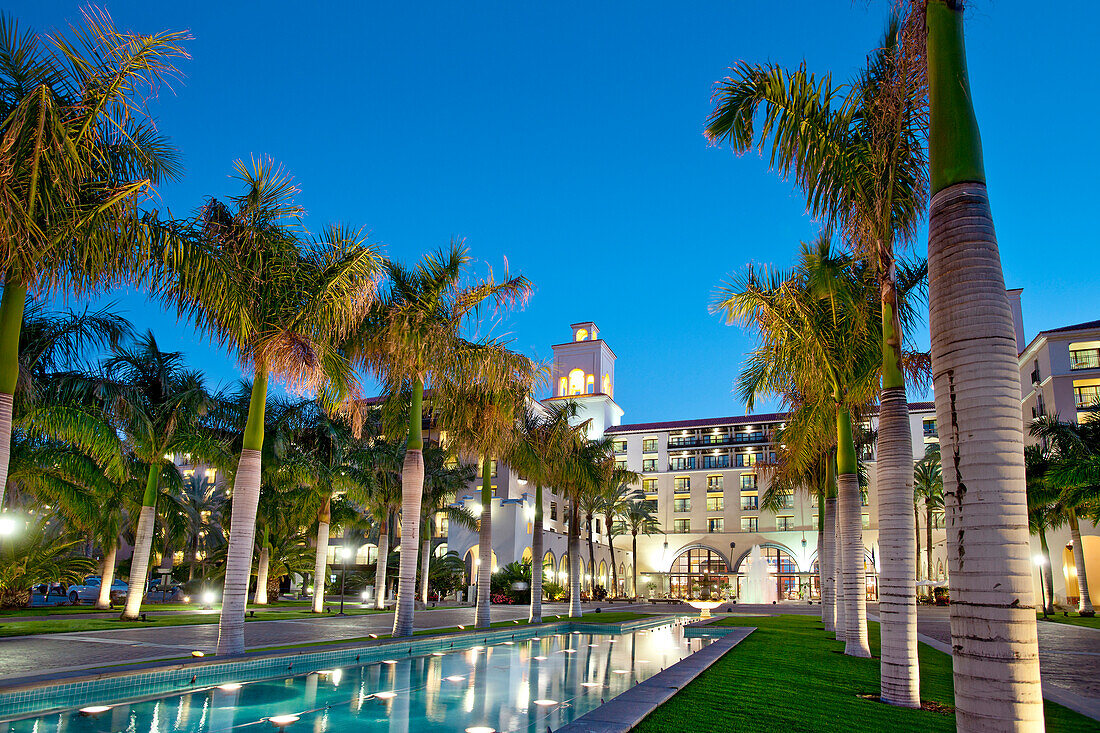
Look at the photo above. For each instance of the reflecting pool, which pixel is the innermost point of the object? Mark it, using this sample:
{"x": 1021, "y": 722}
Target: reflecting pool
{"x": 521, "y": 685}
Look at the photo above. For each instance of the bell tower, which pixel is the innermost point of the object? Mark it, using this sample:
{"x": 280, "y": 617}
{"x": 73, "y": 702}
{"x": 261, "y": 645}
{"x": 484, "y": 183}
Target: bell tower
{"x": 584, "y": 371}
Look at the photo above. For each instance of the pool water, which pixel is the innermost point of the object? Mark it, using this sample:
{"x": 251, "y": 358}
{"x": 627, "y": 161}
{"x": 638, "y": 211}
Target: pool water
{"x": 522, "y": 685}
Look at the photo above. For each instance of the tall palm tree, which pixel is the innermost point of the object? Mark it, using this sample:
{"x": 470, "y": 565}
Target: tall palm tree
{"x": 538, "y": 443}
{"x": 577, "y": 473}
{"x": 858, "y": 153}
{"x": 818, "y": 342}
{"x": 1074, "y": 471}
{"x": 243, "y": 273}
{"x": 380, "y": 498}
{"x": 481, "y": 419}
{"x": 638, "y": 518}
{"x": 928, "y": 490}
{"x": 412, "y": 340}
{"x": 616, "y": 495}
{"x": 977, "y": 386}
{"x": 79, "y": 155}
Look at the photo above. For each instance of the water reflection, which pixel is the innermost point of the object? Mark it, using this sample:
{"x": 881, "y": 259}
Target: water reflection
{"x": 527, "y": 685}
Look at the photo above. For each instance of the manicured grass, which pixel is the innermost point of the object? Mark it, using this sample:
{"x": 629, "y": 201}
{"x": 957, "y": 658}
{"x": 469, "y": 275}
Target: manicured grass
{"x": 47, "y": 625}
{"x": 790, "y": 675}
{"x": 43, "y": 611}
{"x": 1073, "y": 620}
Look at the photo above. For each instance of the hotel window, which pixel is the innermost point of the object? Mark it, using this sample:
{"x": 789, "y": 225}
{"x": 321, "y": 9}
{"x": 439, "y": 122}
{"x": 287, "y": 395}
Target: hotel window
{"x": 681, "y": 483}
{"x": 1084, "y": 358}
{"x": 784, "y": 523}
{"x": 553, "y": 511}
{"x": 930, "y": 428}
{"x": 649, "y": 485}
{"x": 748, "y": 481}
{"x": 590, "y": 384}
{"x": 620, "y": 463}
{"x": 649, "y": 465}
{"x": 682, "y": 464}
{"x": 786, "y": 500}
{"x": 866, "y": 519}
{"x": 715, "y": 524}
{"x": 1086, "y": 395}
{"x": 649, "y": 445}
{"x": 714, "y": 483}
{"x": 715, "y": 503}
{"x": 681, "y": 504}
{"x": 750, "y": 502}
{"x": 748, "y": 524}
{"x": 650, "y": 502}
{"x": 620, "y": 446}
{"x": 493, "y": 468}
{"x": 681, "y": 526}
{"x": 715, "y": 462}
{"x": 817, "y": 522}
{"x": 211, "y": 474}
{"x": 442, "y": 525}
{"x": 747, "y": 459}
{"x": 863, "y": 497}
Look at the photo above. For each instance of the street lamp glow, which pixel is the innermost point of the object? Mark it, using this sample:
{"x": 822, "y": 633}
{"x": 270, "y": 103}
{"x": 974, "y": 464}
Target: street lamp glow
{"x": 1040, "y": 560}
{"x": 8, "y": 525}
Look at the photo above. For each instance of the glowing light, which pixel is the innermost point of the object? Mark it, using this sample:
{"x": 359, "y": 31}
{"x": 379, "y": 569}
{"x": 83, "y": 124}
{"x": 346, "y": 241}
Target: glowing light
{"x": 208, "y": 597}
{"x": 437, "y": 654}
{"x": 546, "y": 703}
{"x": 373, "y": 636}
{"x": 8, "y": 525}
{"x": 454, "y": 678}
{"x": 197, "y": 654}
{"x": 593, "y": 645}
{"x": 389, "y": 661}
{"x": 621, "y": 671}
{"x": 540, "y": 658}
{"x": 476, "y": 648}
{"x": 385, "y": 695}
{"x": 94, "y": 710}
{"x": 480, "y": 729}
{"x": 230, "y": 686}
{"x": 591, "y": 684}
{"x": 282, "y": 721}
{"x": 509, "y": 643}
{"x": 462, "y": 627}
{"x": 1040, "y": 560}
{"x": 568, "y": 651}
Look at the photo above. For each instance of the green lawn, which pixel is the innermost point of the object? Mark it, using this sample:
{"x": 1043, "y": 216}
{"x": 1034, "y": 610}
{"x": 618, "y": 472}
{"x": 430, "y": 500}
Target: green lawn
{"x": 1073, "y": 619}
{"x": 790, "y": 675}
{"x": 147, "y": 607}
{"x": 46, "y": 625}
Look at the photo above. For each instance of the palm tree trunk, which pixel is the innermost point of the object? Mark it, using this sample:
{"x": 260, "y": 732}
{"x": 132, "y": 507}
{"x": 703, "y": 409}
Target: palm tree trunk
{"x": 634, "y": 564}
{"x": 380, "y": 565}
{"x": 838, "y": 575}
{"x": 825, "y": 561}
{"x": 143, "y": 545}
{"x": 412, "y": 494}
{"x": 242, "y": 529}
{"x": 976, "y": 379}
{"x": 574, "y": 560}
{"x": 320, "y": 559}
{"x": 485, "y": 546}
{"x": 916, "y": 533}
{"x": 536, "y": 560}
{"x": 106, "y": 577}
{"x": 1084, "y": 605}
{"x": 855, "y": 581}
{"x": 899, "y": 669}
{"x": 591, "y": 559}
{"x": 263, "y": 568}
{"x": 11, "y": 324}
{"x": 613, "y": 592}
{"x": 928, "y": 541}
{"x": 1048, "y": 578}
{"x": 425, "y": 562}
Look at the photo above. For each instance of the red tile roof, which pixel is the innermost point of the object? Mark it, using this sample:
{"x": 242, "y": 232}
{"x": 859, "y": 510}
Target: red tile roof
{"x": 718, "y": 421}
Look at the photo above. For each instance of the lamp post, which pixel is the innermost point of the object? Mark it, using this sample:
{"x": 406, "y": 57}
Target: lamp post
{"x": 344, "y": 552}
{"x": 1041, "y": 561}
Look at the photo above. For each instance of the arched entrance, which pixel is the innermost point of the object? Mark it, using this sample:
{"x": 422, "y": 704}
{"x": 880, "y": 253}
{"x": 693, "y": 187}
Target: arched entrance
{"x": 783, "y": 567}
{"x": 698, "y": 571}
{"x": 471, "y": 563}
{"x": 548, "y": 567}
{"x": 869, "y": 572}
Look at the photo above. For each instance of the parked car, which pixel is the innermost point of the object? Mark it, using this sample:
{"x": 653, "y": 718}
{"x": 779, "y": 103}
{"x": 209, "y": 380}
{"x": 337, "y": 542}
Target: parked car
{"x": 89, "y": 591}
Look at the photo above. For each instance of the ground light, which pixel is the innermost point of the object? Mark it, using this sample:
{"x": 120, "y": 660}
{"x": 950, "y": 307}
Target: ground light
{"x": 282, "y": 721}
{"x": 385, "y": 695}
{"x": 230, "y": 686}
{"x": 480, "y": 729}
{"x": 94, "y": 710}
{"x": 9, "y": 525}
{"x": 546, "y": 703}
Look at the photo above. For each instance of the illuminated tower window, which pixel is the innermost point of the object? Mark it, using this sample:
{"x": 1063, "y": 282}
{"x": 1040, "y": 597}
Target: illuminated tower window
{"x": 590, "y": 384}
{"x": 576, "y": 382}
{"x": 582, "y": 334}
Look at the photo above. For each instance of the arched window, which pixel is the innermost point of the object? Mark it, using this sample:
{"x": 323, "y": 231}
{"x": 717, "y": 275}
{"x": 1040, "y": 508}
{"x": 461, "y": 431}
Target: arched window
{"x": 366, "y": 554}
{"x": 590, "y": 384}
{"x": 870, "y": 575}
{"x": 582, "y": 334}
{"x": 607, "y": 384}
{"x": 440, "y": 550}
{"x": 603, "y": 574}
{"x": 782, "y": 565}
{"x": 576, "y": 381}
{"x": 561, "y": 387}
{"x": 698, "y": 571}
{"x": 563, "y": 569}
{"x": 548, "y": 566}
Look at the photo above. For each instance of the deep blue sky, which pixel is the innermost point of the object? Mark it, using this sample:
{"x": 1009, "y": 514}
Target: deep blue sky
{"x": 567, "y": 138}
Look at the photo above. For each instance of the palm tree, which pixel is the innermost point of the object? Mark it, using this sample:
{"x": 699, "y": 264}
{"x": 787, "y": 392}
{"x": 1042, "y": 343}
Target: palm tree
{"x": 412, "y": 340}
{"x": 481, "y": 419}
{"x": 79, "y": 155}
{"x": 577, "y": 473}
{"x": 818, "y": 347}
{"x": 1074, "y": 471}
{"x": 243, "y": 274}
{"x": 537, "y": 444}
{"x": 928, "y": 489}
{"x": 616, "y": 496}
{"x": 442, "y": 482}
{"x": 638, "y": 518}
{"x": 858, "y": 153}
{"x": 380, "y": 498}
{"x": 1045, "y": 511}
{"x": 39, "y": 554}
{"x": 977, "y": 385}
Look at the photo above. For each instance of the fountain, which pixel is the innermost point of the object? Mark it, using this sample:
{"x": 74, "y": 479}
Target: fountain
{"x": 758, "y": 585}
{"x": 704, "y": 607}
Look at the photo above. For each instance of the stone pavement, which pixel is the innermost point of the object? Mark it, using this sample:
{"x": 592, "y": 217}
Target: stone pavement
{"x": 22, "y": 656}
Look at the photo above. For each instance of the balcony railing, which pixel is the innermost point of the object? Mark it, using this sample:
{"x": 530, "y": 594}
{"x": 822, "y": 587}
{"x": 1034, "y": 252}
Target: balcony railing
{"x": 1084, "y": 359}
{"x": 708, "y": 441}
